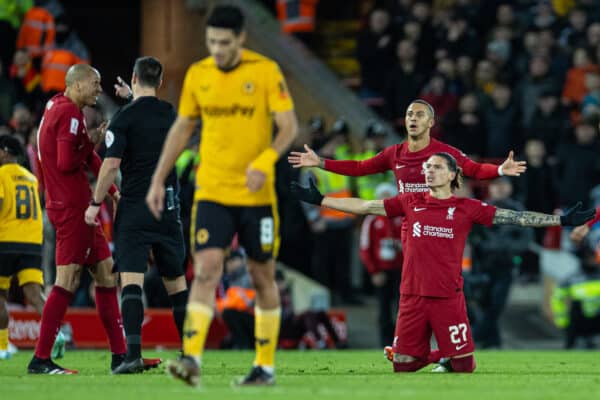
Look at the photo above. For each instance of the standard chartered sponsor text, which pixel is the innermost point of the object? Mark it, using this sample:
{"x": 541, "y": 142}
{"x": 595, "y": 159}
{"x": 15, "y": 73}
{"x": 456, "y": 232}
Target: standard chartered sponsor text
{"x": 438, "y": 231}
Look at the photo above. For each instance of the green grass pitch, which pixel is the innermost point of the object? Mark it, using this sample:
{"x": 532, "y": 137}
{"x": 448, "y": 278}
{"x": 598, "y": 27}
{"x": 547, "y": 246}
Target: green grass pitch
{"x": 339, "y": 375}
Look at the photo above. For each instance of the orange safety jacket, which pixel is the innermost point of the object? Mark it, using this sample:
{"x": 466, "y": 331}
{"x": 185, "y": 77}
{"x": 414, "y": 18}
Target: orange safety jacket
{"x": 297, "y": 15}
{"x": 237, "y": 298}
{"x": 55, "y": 65}
{"x": 37, "y": 32}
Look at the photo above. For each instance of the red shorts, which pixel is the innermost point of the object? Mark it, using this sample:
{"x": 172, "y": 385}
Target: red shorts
{"x": 419, "y": 317}
{"x": 76, "y": 241}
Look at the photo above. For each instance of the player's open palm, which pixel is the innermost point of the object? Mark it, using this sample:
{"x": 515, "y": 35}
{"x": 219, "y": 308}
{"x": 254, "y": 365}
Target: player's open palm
{"x": 307, "y": 159}
{"x": 510, "y": 167}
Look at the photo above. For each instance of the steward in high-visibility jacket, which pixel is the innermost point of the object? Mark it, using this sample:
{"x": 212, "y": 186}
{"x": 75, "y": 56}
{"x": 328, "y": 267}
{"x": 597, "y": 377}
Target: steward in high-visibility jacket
{"x": 37, "y": 32}
{"x": 576, "y": 302}
{"x": 55, "y": 64}
{"x": 297, "y": 15}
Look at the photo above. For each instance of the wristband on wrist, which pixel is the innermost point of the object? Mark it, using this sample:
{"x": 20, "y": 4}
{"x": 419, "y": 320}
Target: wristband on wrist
{"x": 94, "y": 203}
{"x": 500, "y": 172}
{"x": 266, "y": 160}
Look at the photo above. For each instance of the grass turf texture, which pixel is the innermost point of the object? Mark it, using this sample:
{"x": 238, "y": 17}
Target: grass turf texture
{"x": 315, "y": 376}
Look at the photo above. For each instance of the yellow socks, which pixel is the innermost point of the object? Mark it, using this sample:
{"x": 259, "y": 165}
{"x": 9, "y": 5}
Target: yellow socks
{"x": 195, "y": 328}
{"x": 4, "y": 339}
{"x": 266, "y": 333}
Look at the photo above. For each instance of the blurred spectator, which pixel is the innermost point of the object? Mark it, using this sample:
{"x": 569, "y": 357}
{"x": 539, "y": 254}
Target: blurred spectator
{"x": 485, "y": 78}
{"x": 498, "y": 52}
{"x": 27, "y": 81}
{"x": 460, "y": 38}
{"x": 381, "y": 254}
{"x": 574, "y": 34}
{"x": 574, "y": 89}
{"x": 537, "y": 80}
{"x": 590, "y": 106}
{"x": 578, "y": 168}
{"x": 506, "y": 18}
{"x": 465, "y": 128}
{"x": 559, "y": 59}
{"x": 404, "y": 82}
{"x": 495, "y": 253}
{"x": 332, "y": 229}
{"x": 8, "y": 97}
{"x": 502, "y": 122}
{"x": 447, "y": 68}
{"x": 297, "y": 17}
{"x": 528, "y": 48}
{"x": 21, "y": 122}
{"x": 576, "y": 302}
{"x": 550, "y": 122}
{"x": 37, "y": 31}
{"x": 11, "y": 15}
{"x": 375, "y": 51}
{"x": 374, "y": 142}
{"x": 543, "y": 15}
{"x": 236, "y": 306}
{"x": 421, "y": 13}
{"x": 464, "y": 72}
{"x": 443, "y": 102}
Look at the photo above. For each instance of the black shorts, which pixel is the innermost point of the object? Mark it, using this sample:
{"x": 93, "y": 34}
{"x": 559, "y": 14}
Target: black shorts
{"x": 27, "y": 267}
{"x": 137, "y": 231}
{"x": 257, "y": 228}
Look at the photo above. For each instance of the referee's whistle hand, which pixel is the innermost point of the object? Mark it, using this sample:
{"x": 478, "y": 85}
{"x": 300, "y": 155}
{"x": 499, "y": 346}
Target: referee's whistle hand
{"x": 155, "y": 199}
{"x": 90, "y": 215}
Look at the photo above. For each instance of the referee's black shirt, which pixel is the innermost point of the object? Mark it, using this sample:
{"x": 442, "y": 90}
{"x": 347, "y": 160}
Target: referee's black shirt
{"x": 136, "y": 135}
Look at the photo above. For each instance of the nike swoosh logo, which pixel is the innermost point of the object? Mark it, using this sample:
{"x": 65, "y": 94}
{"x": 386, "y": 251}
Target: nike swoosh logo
{"x": 400, "y": 166}
{"x": 420, "y": 209}
{"x": 461, "y": 346}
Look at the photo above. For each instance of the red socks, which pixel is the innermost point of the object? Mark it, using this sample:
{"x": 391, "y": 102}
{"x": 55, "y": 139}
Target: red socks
{"x": 464, "y": 364}
{"x": 108, "y": 310}
{"x": 52, "y": 316}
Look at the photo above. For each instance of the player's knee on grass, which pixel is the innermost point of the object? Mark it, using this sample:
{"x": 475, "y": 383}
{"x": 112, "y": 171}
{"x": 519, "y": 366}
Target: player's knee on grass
{"x": 464, "y": 364}
{"x": 410, "y": 366}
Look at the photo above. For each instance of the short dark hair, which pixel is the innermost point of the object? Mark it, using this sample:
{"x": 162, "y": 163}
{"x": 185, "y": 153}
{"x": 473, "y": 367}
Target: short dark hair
{"x": 452, "y": 166}
{"x": 11, "y": 145}
{"x": 149, "y": 71}
{"x": 227, "y": 17}
{"x": 426, "y": 104}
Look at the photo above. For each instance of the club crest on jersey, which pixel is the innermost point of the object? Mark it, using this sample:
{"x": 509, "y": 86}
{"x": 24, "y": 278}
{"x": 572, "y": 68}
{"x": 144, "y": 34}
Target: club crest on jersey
{"x": 451, "y": 212}
{"x": 248, "y": 87}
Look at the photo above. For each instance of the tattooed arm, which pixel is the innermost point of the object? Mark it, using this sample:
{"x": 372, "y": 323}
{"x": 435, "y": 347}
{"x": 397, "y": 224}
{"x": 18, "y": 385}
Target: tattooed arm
{"x": 354, "y": 205}
{"x": 524, "y": 218}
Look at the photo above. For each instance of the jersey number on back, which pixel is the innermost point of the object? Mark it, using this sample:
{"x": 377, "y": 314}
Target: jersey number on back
{"x": 25, "y": 202}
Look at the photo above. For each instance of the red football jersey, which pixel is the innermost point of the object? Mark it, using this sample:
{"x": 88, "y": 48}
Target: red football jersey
{"x": 64, "y": 148}
{"x": 435, "y": 241}
{"x": 408, "y": 166}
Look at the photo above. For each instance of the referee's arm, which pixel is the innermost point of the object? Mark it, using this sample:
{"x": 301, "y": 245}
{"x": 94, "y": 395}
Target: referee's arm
{"x": 178, "y": 136}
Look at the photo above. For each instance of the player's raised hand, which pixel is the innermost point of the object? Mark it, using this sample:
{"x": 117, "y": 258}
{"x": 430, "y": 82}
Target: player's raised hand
{"x": 307, "y": 159}
{"x": 308, "y": 194}
{"x": 122, "y": 89}
{"x": 510, "y": 167}
{"x": 155, "y": 199}
{"x": 97, "y": 134}
{"x": 255, "y": 179}
{"x": 575, "y": 216}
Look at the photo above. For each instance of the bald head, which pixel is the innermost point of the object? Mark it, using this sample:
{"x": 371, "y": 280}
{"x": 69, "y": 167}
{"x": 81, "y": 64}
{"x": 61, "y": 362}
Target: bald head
{"x": 83, "y": 85}
{"x": 78, "y": 73}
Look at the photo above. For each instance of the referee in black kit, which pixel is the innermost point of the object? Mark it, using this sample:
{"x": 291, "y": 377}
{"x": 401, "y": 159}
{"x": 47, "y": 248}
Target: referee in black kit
{"x": 134, "y": 140}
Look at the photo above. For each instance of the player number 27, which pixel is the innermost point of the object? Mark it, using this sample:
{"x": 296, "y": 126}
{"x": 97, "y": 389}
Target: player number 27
{"x": 458, "y": 332}
{"x": 25, "y": 202}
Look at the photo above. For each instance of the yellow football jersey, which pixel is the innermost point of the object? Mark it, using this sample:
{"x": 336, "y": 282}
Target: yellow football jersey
{"x": 21, "y": 223}
{"x": 236, "y": 108}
